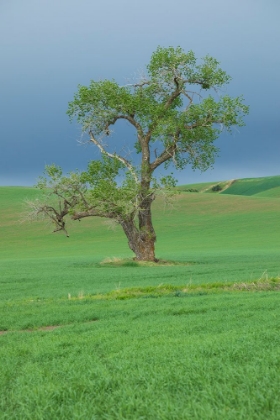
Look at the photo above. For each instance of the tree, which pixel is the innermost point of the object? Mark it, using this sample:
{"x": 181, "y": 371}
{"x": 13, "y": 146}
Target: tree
{"x": 177, "y": 113}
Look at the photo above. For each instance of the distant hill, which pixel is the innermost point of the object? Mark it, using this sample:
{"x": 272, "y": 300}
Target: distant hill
{"x": 261, "y": 187}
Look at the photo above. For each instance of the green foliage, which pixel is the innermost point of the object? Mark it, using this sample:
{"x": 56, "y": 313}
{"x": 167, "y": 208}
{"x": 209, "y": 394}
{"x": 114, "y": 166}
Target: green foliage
{"x": 167, "y": 63}
{"x": 168, "y": 181}
{"x": 99, "y": 103}
{"x": 95, "y": 189}
{"x": 109, "y": 191}
{"x": 156, "y": 106}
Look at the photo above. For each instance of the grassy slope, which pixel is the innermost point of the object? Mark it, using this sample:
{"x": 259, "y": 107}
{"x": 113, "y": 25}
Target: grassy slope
{"x": 266, "y": 187}
{"x": 212, "y": 356}
{"x": 193, "y": 222}
{"x": 261, "y": 187}
{"x": 227, "y": 237}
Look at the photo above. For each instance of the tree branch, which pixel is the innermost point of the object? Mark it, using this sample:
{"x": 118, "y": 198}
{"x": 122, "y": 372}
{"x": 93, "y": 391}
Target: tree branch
{"x": 114, "y": 156}
{"x": 141, "y": 84}
{"x": 168, "y": 103}
{"x": 129, "y": 118}
{"x": 167, "y": 154}
{"x": 54, "y": 215}
{"x": 172, "y": 97}
{"x": 92, "y": 212}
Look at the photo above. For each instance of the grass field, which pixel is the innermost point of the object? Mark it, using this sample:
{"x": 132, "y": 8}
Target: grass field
{"x": 88, "y": 334}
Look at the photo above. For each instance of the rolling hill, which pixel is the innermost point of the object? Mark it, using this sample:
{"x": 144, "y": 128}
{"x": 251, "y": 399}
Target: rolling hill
{"x": 244, "y": 216}
{"x": 261, "y": 187}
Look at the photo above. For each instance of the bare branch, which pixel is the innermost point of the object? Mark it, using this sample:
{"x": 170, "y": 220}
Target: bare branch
{"x": 114, "y": 156}
{"x": 141, "y": 84}
{"x": 43, "y": 211}
{"x": 187, "y": 93}
{"x": 91, "y": 212}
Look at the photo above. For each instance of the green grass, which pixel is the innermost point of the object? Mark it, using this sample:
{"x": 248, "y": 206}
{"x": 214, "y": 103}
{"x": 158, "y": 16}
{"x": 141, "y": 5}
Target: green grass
{"x": 273, "y": 192}
{"x": 252, "y": 186}
{"x": 199, "y": 356}
{"x": 195, "y": 338}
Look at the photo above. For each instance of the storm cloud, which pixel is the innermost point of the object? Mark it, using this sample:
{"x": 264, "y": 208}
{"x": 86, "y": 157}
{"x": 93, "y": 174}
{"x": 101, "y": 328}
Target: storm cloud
{"x": 48, "y": 47}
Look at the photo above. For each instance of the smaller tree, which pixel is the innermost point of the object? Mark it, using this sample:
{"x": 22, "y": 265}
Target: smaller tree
{"x": 175, "y": 123}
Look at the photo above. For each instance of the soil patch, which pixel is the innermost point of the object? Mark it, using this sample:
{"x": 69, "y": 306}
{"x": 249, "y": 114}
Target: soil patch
{"x": 46, "y": 328}
{"x": 118, "y": 262}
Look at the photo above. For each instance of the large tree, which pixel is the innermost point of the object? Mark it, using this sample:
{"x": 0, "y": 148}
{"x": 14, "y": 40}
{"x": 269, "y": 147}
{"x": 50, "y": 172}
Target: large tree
{"x": 177, "y": 111}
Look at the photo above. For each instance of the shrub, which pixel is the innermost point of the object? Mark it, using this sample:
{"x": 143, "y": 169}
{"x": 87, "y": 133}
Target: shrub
{"x": 217, "y": 188}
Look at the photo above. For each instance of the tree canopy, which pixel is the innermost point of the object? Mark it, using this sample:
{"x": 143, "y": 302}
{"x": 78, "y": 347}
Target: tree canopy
{"x": 177, "y": 111}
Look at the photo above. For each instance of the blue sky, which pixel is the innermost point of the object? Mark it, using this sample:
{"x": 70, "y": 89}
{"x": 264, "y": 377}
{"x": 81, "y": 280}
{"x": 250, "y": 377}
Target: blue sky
{"x": 48, "y": 47}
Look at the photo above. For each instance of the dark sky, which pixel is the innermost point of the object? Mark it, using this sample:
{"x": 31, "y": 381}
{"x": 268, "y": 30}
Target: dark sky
{"x": 48, "y": 47}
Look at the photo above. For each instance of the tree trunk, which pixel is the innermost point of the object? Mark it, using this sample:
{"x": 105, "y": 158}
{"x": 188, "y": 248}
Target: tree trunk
{"x": 141, "y": 240}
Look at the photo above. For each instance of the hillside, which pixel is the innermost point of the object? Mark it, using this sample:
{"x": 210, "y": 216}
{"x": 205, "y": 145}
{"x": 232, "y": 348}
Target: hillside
{"x": 268, "y": 187}
{"x": 261, "y": 187}
{"x": 191, "y": 223}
